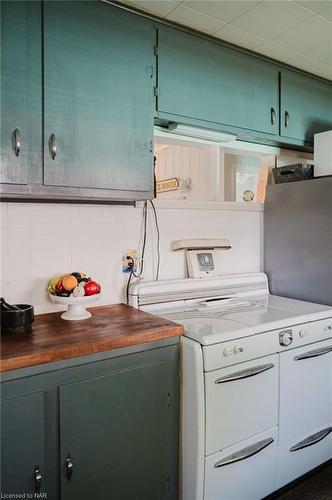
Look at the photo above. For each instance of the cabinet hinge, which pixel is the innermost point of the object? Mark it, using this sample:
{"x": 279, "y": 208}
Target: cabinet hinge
{"x": 155, "y": 91}
{"x": 156, "y": 50}
{"x": 169, "y": 399}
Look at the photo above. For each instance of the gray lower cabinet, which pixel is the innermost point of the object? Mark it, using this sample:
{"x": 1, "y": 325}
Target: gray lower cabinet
{"x": 23, "y": 444}
{"x": 102, "y": 430}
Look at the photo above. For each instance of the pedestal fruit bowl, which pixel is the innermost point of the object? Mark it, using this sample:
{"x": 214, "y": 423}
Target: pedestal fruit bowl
{"x": 77, "y": 291}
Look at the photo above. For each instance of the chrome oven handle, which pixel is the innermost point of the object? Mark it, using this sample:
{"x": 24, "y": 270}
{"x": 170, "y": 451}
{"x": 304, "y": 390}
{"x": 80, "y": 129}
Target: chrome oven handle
{"x": 247, "y": 452}
{"x": 249, "y": 372}
{"x": 313, "y": 439}
{"x": 314, "y": 353}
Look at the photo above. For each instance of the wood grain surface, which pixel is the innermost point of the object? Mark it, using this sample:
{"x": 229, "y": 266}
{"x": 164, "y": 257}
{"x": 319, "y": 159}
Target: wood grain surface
{"x": 110, "y": 327}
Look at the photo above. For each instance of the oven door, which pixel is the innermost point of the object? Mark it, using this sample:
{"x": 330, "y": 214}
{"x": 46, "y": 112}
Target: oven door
{"x": 241, "y": 401}
{"x": 245, "y": 471}
{"x": 305, "y": 434}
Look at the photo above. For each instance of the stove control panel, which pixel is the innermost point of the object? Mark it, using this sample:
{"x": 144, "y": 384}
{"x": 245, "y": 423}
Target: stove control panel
{"x": 286, "y": 338}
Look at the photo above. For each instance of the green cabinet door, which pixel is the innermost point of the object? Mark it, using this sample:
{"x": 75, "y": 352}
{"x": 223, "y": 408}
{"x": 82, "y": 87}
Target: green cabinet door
{"x": 305, "y": 106}
{"x": 22, "y": 445}
{"x": 204, "y": 80}
{"x": 98, "y": 97}
{"x": 119, "y": 433}
{"x": 21, "y": 95}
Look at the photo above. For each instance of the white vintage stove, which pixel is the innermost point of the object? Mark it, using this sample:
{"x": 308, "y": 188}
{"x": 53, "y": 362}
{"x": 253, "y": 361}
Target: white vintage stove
{"x": 256, "y": 383}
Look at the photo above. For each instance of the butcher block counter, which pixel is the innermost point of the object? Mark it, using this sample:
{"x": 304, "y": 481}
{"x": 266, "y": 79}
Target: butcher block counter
{"x": 92, "y": 399}
{"x": 110, "y": 327}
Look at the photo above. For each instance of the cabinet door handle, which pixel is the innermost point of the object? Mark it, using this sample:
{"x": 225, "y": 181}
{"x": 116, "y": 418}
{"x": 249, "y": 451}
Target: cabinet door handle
{"x": 69, "y": 467}
{"x": 273, "y": 116}
{"x": 16, "y": 141}
{"x": 247, "y": 452}
{"x": 249, "y": 372}
{"x": 52, "y": 146}
{"x": 286, "y": 119}
{"x": 309, "y": 441}
{"x": 314, "y": 353}
{"x": 38, "y": 478}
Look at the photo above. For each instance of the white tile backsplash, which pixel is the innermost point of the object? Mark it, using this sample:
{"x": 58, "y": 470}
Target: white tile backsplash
{"x": 39, "y": 241}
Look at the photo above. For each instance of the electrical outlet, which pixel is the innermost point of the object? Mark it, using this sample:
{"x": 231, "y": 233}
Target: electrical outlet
{"x": 130, "y": 252}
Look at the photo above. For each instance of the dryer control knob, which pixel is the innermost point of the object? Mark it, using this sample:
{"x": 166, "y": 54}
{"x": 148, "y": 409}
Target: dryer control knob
{"x": 286, "y": 338}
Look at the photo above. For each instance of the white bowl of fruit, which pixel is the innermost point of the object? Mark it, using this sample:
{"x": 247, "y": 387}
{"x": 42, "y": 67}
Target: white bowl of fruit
{"x": 76, "y": 291}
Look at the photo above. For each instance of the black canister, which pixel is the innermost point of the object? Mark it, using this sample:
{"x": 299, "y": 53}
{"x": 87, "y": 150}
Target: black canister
{"x": 16, "y": 319}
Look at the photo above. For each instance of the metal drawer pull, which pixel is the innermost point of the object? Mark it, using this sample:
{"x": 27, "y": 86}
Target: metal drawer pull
{"x": 249, "y": 372}
{"x": 286, "y": 119}
{"x": 245, "y": 453}
{"x": 273, "y": 116}
{"x": 52, "y": 146}
{"x": 314, "y": 353}
{"x": 315, "y": 438}
{"x": 16, "y": 141}
{"x": 38, "y": 479}
{"x": 69, "y": 467}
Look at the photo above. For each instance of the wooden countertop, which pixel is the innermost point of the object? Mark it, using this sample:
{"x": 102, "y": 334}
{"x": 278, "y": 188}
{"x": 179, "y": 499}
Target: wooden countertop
{"x": 110, "y": 327}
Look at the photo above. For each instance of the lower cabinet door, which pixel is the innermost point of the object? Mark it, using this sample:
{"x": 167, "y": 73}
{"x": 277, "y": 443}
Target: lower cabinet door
{"x": 245, "y": 471}
{"x": 119, "y": 435}
{"x": 22, "y": 445}
{"x": 241, "y": 401}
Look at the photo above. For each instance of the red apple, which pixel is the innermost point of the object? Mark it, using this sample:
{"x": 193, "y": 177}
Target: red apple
{"x": 91, "y": 288}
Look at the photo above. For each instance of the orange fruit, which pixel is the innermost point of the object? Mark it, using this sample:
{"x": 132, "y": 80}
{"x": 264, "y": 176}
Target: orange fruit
{"x": 69, "y": 282}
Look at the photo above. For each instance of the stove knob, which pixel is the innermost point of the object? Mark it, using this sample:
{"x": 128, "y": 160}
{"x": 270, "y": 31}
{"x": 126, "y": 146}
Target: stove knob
{"x": 327, "y": 327}
{"x": 286, "y": 338}
{"x": 237, "y": 349}
{"x": 303, "y": 333}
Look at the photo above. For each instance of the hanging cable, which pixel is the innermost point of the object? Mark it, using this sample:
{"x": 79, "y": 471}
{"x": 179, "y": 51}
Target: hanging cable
{"x": 131, "y": 262}
{"x": 158, "y": 238}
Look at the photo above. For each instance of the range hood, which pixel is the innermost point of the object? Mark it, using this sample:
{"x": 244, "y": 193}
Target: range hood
{"x": 199, "y": 133}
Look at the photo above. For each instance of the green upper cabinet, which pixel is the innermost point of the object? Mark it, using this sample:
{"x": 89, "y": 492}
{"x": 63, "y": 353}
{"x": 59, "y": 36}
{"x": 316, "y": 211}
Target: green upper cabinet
{"x": 207, "y": 81}
{"x": 305, "y": 106}
{"x": 21, "y": 91}
{"x": 98, "y": 98}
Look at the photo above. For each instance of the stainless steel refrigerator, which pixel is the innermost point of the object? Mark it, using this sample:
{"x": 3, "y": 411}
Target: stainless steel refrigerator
{"x": 298, "y": 239}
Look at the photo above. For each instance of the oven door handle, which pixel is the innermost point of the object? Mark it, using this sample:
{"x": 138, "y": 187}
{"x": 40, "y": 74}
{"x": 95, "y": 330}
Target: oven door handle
{"x": 249, "y": 372}
{"x": 247, "y": 452}
{"x": 309, "y": 441}
{"x": 314, "y": 353}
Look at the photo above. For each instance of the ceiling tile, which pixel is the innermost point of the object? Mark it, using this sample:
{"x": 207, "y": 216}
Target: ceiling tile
{"x": 311, "y": 38}
{"x": 270, "y": 19}
{"x": 295, "y": 59}
{"x": 158, "y": 7}
{"x": 225, "y": 10}
{"x": 327, "y": 13}
{"x": 314, "y": 6}
{"x": 197, "y": 20}
{"x": 238, "y": 37}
